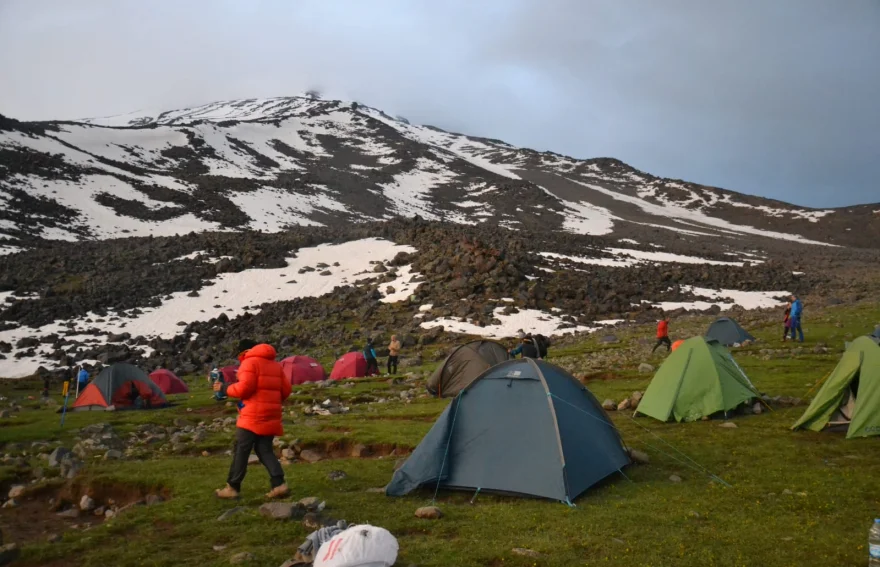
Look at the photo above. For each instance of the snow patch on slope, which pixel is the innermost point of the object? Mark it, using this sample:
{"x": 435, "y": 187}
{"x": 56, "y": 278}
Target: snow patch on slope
{"x": 237, "y": 293}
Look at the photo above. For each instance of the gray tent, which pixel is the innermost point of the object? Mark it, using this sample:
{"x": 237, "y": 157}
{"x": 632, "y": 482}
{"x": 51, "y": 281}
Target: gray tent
{"x": 728, "y": 332}
{"x": 463, "y": 366}
{"x": 524, "y": 427}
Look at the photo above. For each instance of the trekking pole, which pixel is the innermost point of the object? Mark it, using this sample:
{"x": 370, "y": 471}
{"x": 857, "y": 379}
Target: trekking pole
{"x": 66, "y": 393}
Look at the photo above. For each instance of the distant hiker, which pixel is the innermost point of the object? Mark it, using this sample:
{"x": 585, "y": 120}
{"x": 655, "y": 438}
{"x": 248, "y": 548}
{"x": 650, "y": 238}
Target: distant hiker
{"x": 797, "y": 311}
{"x": 786, "y": 321}
{"x": 663, "y": 335}
{"x": 82, "y": 378}
{"x": 217, "y": 377}
{"x": 370, "y": 355}
{"x": 393, "y": 354}
{"x": 526, "y": 348}
{"x": 261, "y": 389}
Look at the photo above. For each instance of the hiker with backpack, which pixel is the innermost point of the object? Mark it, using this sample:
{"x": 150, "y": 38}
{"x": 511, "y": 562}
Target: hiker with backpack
{"x": 370, "y": 356}
{"x": 527, "y": 348}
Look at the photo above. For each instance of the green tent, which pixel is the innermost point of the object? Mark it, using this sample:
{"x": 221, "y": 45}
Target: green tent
{"x": 850, "y": 396}
{"x": 700, "y": 378}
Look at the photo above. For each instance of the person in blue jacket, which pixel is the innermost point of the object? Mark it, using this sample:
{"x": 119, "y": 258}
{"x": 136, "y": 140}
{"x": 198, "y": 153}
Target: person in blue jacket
{"x": 83, "y": 379}
{"x": 797, "y": 310}
{"x": 372, "y": 362}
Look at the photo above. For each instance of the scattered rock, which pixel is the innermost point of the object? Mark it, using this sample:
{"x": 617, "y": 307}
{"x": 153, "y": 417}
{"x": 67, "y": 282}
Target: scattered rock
{"x": 310, "y": 503}
{"x": 57, "y": 456}
{"x": 253, "y": 460}
{"x": 525, "y": 552}
{"x": 728, "y": 425}
{"x": 53, "y": 538}
{"x": 288, "y": 454}
{"x": 70, "y": 514}
{"x": 429, "y": 513}
{"x": 337, "y": 475}
{"x": 645, "y": 368}
{"x": 624, "y": 405}
{"x": 359, "y": 451}
{"x": 153, "y": 499}
{"x": 310, "y": 456}
{"x": 86, "y": 503}
{"x": 282, "y": 510}
{"x": 17, "y": 491}
{"x": 609, "y": 405}
{"x": 243, "y": 557}
{"x": 11, "y": 503}
{"x": 675, "y": 478}
{"x": 112, "y": 455}
{"x": 639, "y": 457}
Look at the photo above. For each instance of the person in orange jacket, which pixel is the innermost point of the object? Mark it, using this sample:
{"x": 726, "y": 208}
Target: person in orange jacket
{"x": 663, "y": 335}
{"x": 262, "y": 388}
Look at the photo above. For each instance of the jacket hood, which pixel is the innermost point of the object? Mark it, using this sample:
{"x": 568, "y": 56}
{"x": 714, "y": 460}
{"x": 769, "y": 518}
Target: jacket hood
{"x": 260, "y": 351}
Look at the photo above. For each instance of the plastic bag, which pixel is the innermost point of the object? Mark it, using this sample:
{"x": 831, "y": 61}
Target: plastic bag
{"x": 359, "y": 546}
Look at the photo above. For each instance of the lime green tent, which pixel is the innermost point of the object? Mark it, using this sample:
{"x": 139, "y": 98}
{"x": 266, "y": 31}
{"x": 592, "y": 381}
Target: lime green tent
{"x": 850, "y": 396}
{"x": 700, "y": 378}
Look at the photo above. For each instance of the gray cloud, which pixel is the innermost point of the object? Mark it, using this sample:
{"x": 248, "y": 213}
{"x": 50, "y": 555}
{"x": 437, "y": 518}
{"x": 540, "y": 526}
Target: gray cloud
{"x": 770, "y": 98}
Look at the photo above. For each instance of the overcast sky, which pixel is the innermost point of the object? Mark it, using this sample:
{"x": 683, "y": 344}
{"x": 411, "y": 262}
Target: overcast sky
{"x": 779, "y": 98}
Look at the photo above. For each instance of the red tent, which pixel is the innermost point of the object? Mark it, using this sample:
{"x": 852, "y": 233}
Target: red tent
{"x": 302, "y": 369}
{"x": 168, "y": 382}
{"x": 230, "y": 374}
{"x": 351, "y": 365}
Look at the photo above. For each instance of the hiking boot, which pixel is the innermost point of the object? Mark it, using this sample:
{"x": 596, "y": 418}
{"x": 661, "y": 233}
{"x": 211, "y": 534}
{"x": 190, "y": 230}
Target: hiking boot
{"x": 227, "y": 493}
{"x": 278, "y": 492}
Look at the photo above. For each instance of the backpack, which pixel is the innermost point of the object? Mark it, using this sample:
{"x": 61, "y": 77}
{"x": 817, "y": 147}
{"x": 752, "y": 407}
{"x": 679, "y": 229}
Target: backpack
{"x": 543, "y": 343}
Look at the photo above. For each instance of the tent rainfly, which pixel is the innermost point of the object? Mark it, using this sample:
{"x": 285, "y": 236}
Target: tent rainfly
{"x": 699, "y": 379}
{"x": 524, "y": 427}
{"x": 728, "y": 332}
{"x": 850, "y": 396}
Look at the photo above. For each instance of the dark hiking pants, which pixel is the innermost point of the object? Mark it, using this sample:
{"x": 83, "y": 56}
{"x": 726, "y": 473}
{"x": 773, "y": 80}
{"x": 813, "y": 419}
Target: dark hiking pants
{"x": 663, "y": 341}
{"x": 392, "y": 363}
{"x": 245, "y": 442}
{"x": 372, "y": 367}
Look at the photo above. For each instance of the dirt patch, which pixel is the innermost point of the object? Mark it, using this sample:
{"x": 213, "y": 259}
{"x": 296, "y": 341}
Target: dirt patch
{"x": 54, "y": 509}
{"x": 603, "y": 376}
{"x": 347, "y": 449}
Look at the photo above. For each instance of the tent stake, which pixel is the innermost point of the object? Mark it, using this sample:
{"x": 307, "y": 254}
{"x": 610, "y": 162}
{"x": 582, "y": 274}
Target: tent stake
{"x": 475, "y": 496}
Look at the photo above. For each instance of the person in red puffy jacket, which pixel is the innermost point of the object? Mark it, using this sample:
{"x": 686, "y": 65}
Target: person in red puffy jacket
{"x": 262, "y": 388}
{"x": 663, "y": 335}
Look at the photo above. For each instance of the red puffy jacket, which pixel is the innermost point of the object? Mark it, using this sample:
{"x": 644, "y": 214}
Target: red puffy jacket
{"x": 662, "y": 329}
{"x": 262, "y": 388}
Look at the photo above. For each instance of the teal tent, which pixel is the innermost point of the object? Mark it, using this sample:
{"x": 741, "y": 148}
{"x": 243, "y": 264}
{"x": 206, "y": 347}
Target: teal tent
{"x": 524, "y": 427}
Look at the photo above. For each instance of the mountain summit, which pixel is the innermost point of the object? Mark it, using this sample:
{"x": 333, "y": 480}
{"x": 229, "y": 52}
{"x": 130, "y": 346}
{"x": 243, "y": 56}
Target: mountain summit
{"x": 268, "y": 164}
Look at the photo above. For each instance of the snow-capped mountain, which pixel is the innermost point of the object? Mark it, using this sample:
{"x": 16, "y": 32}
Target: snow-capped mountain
{"x": 267, "y": 164}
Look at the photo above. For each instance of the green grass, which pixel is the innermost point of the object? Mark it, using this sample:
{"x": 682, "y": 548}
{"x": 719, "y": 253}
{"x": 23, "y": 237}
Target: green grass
{"x": 643, "y": 520}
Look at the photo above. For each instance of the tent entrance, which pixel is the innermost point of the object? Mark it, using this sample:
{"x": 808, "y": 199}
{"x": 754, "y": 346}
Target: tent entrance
{"x": 843, "y": 415}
